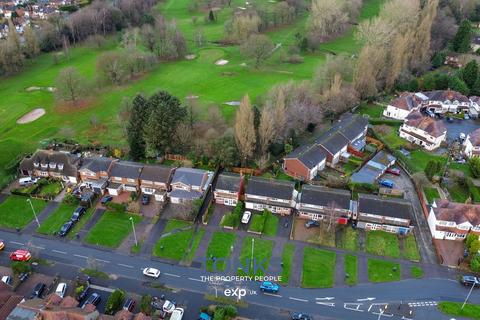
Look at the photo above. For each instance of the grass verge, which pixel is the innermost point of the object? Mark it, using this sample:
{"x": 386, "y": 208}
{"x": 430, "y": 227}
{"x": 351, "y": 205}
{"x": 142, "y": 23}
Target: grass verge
{"x": 220, "y": 246}
{"x": 351, "y": 269}
{"x": 15, "y": 211}
{"x": 318, "y": 268}
{"x": 262, "y": 251}
{"x": 383, "y": 271}
{"x": 471, "y": 311}
{"x": 287, "y": 259}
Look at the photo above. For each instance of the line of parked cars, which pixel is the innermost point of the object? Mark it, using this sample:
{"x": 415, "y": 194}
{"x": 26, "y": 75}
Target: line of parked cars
{"x": 67, "y": 226}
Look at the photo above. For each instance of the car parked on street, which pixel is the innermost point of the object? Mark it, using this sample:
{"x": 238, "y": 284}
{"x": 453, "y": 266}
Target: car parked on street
{"x": 61, "y": 289}
{"x": 470, "y": 281}
{"x": 2, "y": 245}
{"x": 312, "y": 224}
{"x": 301, "y": 316}
{"x": 67, "y": 226}
{"x": 78, "y": 213}
{"x": 94, "y": 299}
{"x": 38, "y": 290}
{"x": 151, "y": 272}
{"x": 20, "y": 255}
{"x": 129, "y": 305}
{"x": 246, "y": 216}
{"x": 7, "y": 279}
{"x": 269, "y": 287}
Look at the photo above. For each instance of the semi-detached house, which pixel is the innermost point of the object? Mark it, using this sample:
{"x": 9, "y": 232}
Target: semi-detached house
{"x": 155, "y": 181}
{"x": 319, "y": 203}
{"x": 274, "y": 195}
{"x": 94, "y": 173}
{"x": 228, "y": 189}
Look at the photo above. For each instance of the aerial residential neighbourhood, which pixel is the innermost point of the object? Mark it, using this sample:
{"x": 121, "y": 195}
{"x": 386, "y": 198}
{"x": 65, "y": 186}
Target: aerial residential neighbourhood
{"x": 232, "y": 159}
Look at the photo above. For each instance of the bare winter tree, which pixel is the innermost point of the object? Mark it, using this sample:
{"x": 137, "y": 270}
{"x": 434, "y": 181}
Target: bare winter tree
{"x": 71, "y": 85}
{"x": 266, "y": 130}
{"x": 257, "y": 47}
{"x": 245, "y": 135}
{"x": 328, "y": 18}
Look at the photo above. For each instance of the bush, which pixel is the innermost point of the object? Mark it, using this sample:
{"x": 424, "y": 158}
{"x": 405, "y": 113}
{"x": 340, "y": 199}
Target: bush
{"x": 233, "y": 218}
{"x": 71, "y": 200}
{"x": 146, "y": 304}
{"x": 362, "y": 187}
{"x": 119, "y": 207}
{"x": 114, "y": 302}
{"x": 21, "y": 267}
{"x": 475, "y": 263}
{"x": 474, "y": 164}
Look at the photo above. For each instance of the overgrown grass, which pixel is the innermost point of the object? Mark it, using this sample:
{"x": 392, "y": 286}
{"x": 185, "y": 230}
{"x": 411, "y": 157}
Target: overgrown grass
{"x": 318, "y": 268}
{"x": 383, "y": 271}
{"x": 348, "y": 239}
{"x": 287, "y": 259}
{"x": 220, "y": 246}
{"x": 471, "y": 311}
{"x": 15, "y": 211}
{"x": 383, "y": 244}
{"x": 262, "y": 251}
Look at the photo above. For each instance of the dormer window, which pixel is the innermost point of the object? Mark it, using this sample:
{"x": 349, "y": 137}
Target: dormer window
{"x": 60, "y": 166}
{"x": 44, "y": 165}
{"x": 36, "y": 164}
{"x": 52, "y": 165}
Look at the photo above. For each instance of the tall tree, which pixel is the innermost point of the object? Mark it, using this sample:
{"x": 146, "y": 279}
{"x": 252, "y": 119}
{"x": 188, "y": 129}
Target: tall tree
{"x": 71, "y": 85}
{"x": 470, "y": 73}
{"x": 461, "y": 42}
{"x": 266, "y": 130}
{"x": 245, "y": 135}
{"x": 139, "y": 115}
{"x": 328, "y": 18}
{"x": 31, "y": 47}
{"x": 257, "y": 47}
{"x": 166, "y": 114}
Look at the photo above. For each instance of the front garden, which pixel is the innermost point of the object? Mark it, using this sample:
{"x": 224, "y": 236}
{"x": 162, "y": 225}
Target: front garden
{"x": 262, "y": 251}
{"x": 383, "y": 271}
{"x": 318, "y": 268}
{"x": 16, "y": 212}
{"x": 264, "y": 223}
{"x": 220, "y": 247}
{"x": 43, "y": 188}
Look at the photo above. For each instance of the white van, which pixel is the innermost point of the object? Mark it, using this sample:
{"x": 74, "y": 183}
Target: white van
{"x": 177, "y": 314}
{"x": 61, "y": 289}
{"x": 26, "y": 181}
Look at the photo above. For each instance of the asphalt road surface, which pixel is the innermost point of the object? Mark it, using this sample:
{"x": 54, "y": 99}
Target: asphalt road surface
{"x": 359, "y": 302}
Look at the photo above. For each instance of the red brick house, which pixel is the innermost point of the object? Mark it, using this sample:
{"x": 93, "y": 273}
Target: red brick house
{"x": 155, "y": 180}
{"x": 124, "y": 176}
{"x": 228, "y": 189}
{"x": 94, "y": 173}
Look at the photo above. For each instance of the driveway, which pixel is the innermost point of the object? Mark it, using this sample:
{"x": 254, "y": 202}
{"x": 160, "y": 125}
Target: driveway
{"x": 451, "y": 252}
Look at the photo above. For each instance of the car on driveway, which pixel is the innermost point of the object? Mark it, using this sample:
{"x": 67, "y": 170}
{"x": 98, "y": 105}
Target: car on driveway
{"x": 38, "y": 290}
{"x": 386, "y": 183}
{"x": 2, "y": 245}
{"x": 129, "y": 305}
{"x": 145, "y": 199}
{"x": 394, "y": 171}
{"x": 246, "y": 216}
{"x": 106, "y": 199}
{"x": 20, "y": 255}
{"x": 67, "y": 226}
{"x": 7, "y": 280}
{"x": 94, "y": 299}
{"x": 151, "y": 272}
{"x": 312, "y": 223}
{"x": 269, "y": 287}
{"x": 168, "y": 306}
{"x": 61, "y": 289}
{"x": 301, "y": 316}
{"x": 470, "y": 281}
{"x": 78, "y": 213}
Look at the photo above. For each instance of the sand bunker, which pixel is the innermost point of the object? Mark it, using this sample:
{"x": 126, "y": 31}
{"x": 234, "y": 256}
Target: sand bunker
{"x": 190, "y": 56}
{"x": 31, "y": 116}
{"x": 232, "y": 103}
{"x": 49, "y": 89}
{"x": 221, "y": 62}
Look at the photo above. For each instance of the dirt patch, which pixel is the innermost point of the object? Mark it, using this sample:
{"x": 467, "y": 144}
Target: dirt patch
{"x": 31, "y": 116}
{"x": 221, "y": 62}
{"x": 78, "y": 106}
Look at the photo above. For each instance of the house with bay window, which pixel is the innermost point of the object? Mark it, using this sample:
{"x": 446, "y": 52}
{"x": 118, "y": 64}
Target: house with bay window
{"x": 274, "y": 195}
{"x": 453, "y": 221}
{"x": 94, "y": 173}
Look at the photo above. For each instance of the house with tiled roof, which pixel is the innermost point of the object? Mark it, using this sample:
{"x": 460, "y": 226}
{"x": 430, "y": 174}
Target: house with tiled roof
{"x": 443, "y": 101}
{"x": 8, "y": 300}
{"x": 228, "y": 189}
{"x": 305, "y": 162}
{"x": 189, "y": 184}
{"x": 155, "y": 180}
{"x": 374, "y": 168}
{"x": 423, "y": 131}
{"x": 51, "y": 163}
{"x": 471, "y": 144}
{"x": 335, "y": 144}
{"x": 318, "y": 203}
{"x": 401, "y": 107}
{"x": 274, "y": 195}
{"x": 124, "y": 176}
{"x": 453, "y": 221}
{"x": 94, "y": 173}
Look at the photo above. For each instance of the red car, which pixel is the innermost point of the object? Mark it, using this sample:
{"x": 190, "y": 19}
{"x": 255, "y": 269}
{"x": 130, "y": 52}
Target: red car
{"x": 394, "y": 171}
{"x": 20, "y": 255}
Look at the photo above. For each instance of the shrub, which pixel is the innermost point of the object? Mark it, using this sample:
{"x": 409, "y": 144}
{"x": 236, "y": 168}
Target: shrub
{"x": 114, "y": 302}
{"x": 71, "y": 200}
{"x": 363, "y": 187}
{"x": 133, "y": 207}
{"x": 112, "y": 206}
{"x": 475, "y": 263}
{"x": 146, "y": 304}
{"x": 474, "y": 164}
{"x": 21, "y": 267}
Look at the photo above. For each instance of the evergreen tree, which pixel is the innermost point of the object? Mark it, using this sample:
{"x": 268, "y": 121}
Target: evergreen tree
{"x": 135, "y": 130}
{"x": 461, "y": 41}
{"x": 457, "y": 84}
{"x": 438, "y": 59}
{"x": 475, "y": 90}
{"x": 470, "y": 73}
{"x": 211, "y": 16}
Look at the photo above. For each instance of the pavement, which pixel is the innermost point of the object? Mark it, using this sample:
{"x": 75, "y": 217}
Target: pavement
{"x": 359, "y": 302}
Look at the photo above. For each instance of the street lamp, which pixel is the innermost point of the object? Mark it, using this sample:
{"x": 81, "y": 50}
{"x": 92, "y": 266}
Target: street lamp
{"x": 134, "y": 234}
{"x": 468, "y": 295}
{"x": 34, "y": 213}
{"x": 251, "y": 259}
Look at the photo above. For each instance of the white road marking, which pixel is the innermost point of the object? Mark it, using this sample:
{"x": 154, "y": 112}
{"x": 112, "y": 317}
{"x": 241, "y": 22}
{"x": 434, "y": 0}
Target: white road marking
{"x": 327, "y": 304}
{"x": 326, "y": 298}
{"x": 272, "y": 294}
{"x": 101, "y": 260}
{"x": 379, "y": 305}
{"x": 101, "y": 288}
{"x": 171, "y": 275}
{"x": 80, "y": 256}
{"x": 353, "y": 306}
{"x": 198, "y": 280}
{"x": 18, "y": 243}
{"x": 37, "y": 247}
{"x": 125, "y": 265}
{"x": 298, "y": 299}
{"x": 366, "y": 299}
{"x": 58, "y": 251}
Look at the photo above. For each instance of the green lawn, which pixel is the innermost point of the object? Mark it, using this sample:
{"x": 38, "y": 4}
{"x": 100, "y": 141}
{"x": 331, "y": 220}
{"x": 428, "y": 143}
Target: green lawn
{"x": 51, "y": 189}
{"x": 465, "y": 168}
{"x": 431, "y": 194}
{"x": 80, "y": 224}
{"x": 351, "y": 269}
{"x": 56, "y": 219}
{"x": 370, "y": 109}
{"x": 459, "y": 193}
{"x": 262, "y": 251}
{"x": 220, "y": 246}
{"x": 271, "y": 225}
{"x": 471, "y": 311}
{"x": 418, "y": 160}
{"x": 287, "y": 259}
{"x": 257, "y": 222}
{"x": 416, "y": 272}
{"x": 383, "y": 271}
{"x": 318, "y": 268}
{"x": 348, "y": 239}
{"x": 176, "y": 245}
{"x": 15, "y": 211}
{"x": 111, "y": 229}
{"x": 410, "y": 249}
{"x": 383, "y": 244}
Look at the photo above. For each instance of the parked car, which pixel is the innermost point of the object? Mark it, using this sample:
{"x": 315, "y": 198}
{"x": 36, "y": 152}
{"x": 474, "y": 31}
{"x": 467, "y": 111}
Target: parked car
{"x": 38, "y": 290}
{"x": 106, "y": 199}
{"x": 2, "y": 245}
{"x": 94, "y": 299}
{"x": 23, "y": 276}
{"x": 151, "y": 272}
{"x": 129, "y": 305}
{"x": 20, "y": 255}
{"x": 386, "y": 183}
{"x": 204, "y": 316}
{"x": 67, "y": 226}
{"x": 394, "y": 171}
{"x": 269, "y": 287}
{"x": 157, "y": 302}
{"x": 470, "y": 281}
{"x": 23, "y": 182}
{"x": 61, "y": 289}
{"x": 145, "y": 199}
{"x": 177, "y": 314}
{"x": 312, "y": 223}
{"x": 168, "y": 306}
{"x": 301, "y": 316}
{"x": 7, "y": 279}
{"x": 78, "y": 213}
{"x": 246, "y": 216}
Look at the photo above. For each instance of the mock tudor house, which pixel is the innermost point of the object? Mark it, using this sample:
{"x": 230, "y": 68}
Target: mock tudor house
{"x": 155, "y": 180}
{"x": 318, "y": 203}
{"x": 387, "y": 214}
{"x": 471, "y": 145}
{"x": 305, "y": 162}
{"x": 423, "y": 131}
{"x": 50, "y": 163}
{"x": 453, "y": 221}
{"x": 274, "y": 195}
{"x": 94, "y": 173}
{"x": 228, "y": 189}
{"x": 189, "y": 184}
{"x": 124, "y": 176}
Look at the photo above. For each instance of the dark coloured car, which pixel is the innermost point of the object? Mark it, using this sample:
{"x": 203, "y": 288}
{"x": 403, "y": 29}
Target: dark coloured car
{"x": 129, "y": 305}
{"x": 94, "y": 299}
{"x": 312, "y": 223}
{"x": 470, "y": 281}
{"x": 106, "y": 200}
{"x": 23, "y": 276}
{"x": 301, "y": 316}
{"x": 67, "y": 226}
{"x": 79, "y": 211}
{"x": 145, "y": 199}
{"x": 38, "y": 290}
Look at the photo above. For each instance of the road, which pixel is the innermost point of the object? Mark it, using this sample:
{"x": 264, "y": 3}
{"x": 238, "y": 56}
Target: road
{"x": 358, "y": 302}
